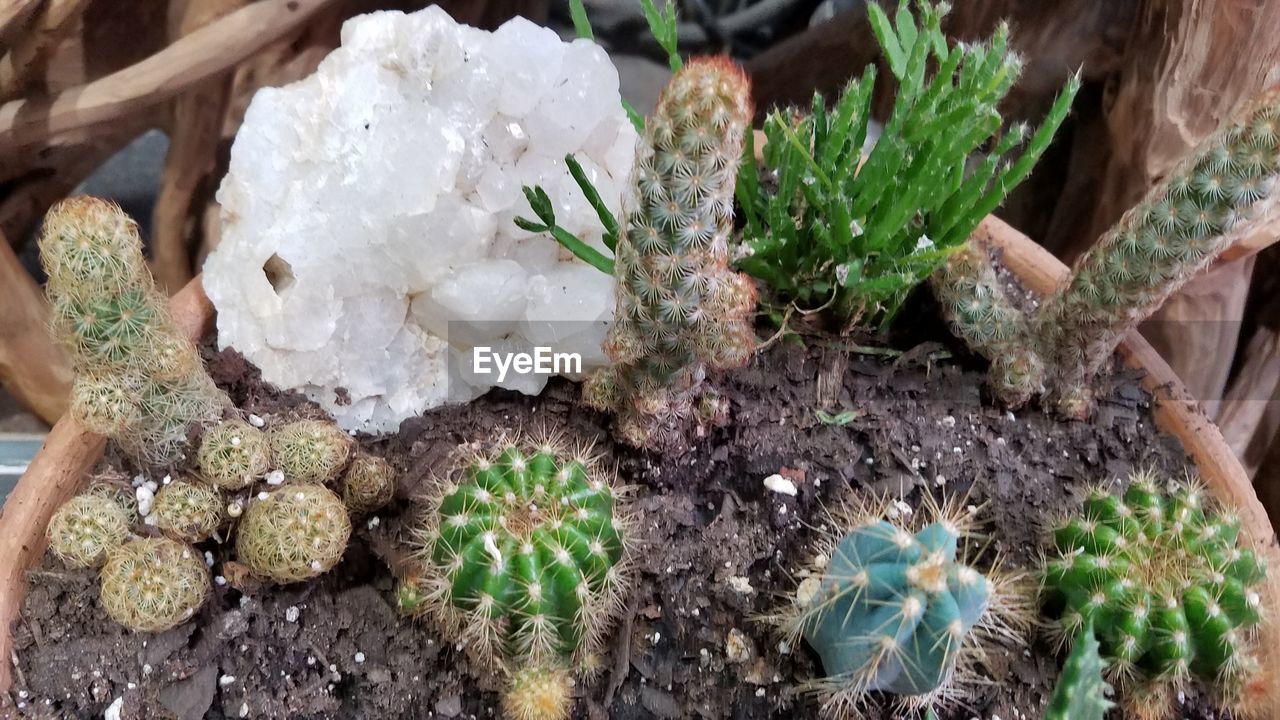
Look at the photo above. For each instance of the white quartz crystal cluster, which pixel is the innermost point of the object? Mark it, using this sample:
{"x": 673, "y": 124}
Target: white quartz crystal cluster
{"x": 367, "y": 233}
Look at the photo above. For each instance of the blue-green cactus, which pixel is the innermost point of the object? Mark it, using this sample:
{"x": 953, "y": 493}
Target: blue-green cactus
{"x": 897, "y": 609}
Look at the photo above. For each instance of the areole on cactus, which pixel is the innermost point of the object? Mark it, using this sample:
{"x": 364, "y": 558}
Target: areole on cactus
{"x": 523, "y": 555}
{"x": 1160, "y": 574}
{"x": 897, "y": 608}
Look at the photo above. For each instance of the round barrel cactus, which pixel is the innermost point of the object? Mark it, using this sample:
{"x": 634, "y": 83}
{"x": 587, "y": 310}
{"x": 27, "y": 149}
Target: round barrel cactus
{"x": 1161, "y": 575}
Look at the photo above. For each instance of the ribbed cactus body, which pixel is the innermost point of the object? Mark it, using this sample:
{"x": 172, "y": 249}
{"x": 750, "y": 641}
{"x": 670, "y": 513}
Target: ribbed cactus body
{"x": 1081, "y": 692}
{"x": 138, "y": 378}
{"x": 525, "y": 550}
{"x": 980, "y": 313}
{"x": 896, "y": 608}
{"x": 680, "y": 310}
{"x": 1161, "y": 577}
{"x": 1197, "y": 211}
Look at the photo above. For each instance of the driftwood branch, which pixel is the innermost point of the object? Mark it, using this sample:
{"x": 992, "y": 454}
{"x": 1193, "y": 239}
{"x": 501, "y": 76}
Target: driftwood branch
{"x": 32, "y": 366}
{"x": 204, "y": 54}
{"x": 26, "y": 59}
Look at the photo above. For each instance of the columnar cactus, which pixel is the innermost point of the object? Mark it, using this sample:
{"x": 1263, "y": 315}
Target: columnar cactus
{"x": 187, "y": 511}
{"x": 898, "y": 611}
{"x": 979, "y": 312}
{"x": 680, "y": 310}
{"x": 1200, "y": 208}
{"x": 523, "y": 556}
{"x": 310, "y": 450}
{"x": 1081, "y": 692}
{"x": 1160, "y": 575}
{"x": 85, "y": 528}
{"x": 153, "y": 584}
{"x": 294, "y": 533}
{"x": 368, "y": 484}
{"x": 233, "y": 454}
{"x": 139, "y": 380}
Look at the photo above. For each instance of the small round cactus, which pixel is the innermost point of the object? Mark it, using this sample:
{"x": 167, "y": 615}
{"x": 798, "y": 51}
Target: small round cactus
{"x": 232, "y": 454}
{"x": 368, "y": 484}
{"x": 89, "y": 243}
{"x": 524, "y": 551}
{"x": 310, "y": 450}
{"x": 1160, "y": 574}
{"x": 187, "y": 511}
{"x": 539, "y": 693}
{"x": 153, "y": 584}
{"x": 896, "y": 608}
{"x": 85, "y": 528}
{"x": 294, "y": 533}
{"x": 105, "y": 404}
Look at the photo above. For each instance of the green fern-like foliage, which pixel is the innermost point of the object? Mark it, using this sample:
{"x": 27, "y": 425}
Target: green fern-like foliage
{"x": 139, "y": 381}
{"x": 1201, "y": 208}
{"x": 680, "y": 309}
{"x": 835, "y": 232}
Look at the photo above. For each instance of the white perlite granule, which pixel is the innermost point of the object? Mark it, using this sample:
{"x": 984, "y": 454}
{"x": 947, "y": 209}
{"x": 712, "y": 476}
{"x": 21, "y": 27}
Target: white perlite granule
{"x": 367, "y": 218}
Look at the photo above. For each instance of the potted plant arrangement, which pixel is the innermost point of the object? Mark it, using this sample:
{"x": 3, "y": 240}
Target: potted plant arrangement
{"x": 842, "y": 443}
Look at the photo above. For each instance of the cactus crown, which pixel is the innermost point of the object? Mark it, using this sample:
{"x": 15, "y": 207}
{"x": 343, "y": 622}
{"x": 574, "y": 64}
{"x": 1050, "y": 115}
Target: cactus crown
{"x": 895, "y": 608}
{"x": 679, "y": 307}
{"x": 310, "y": 450}
{"x": 153, "y": 584}
{"x": 1160, "y": 575}
{"x": 523, "y": 553}
{"x": 85, "y": 528}
{"x": 1081, "y": 693}
{"x": 139, "y": 380}
{"x": 295, "y": 533}
{"x": 187, "y": 511}
{"x": 232, "y": 454}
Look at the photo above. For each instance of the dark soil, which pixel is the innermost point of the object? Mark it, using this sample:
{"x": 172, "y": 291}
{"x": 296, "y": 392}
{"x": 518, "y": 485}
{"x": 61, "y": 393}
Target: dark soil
{"x": 335, "y": 648}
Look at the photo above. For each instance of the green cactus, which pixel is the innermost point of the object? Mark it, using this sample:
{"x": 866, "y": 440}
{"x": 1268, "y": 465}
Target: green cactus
{"x": 522, "y": 554}
{"x": 233, "y": 454}
{"x": 978, "y": 311}
{"x": 85, "y": 528}
{"x": 139, "y": 380}
{"x": 1160, "y": 574}
{"x": 1200, "y": 208}
{"x": 368, "y": 484}
{"x": 153, "y": 584}
{"x": 310, "y": 450}
{"x": 187, "y": 511}
{"x": 680, "y": 310}
{"x": 294, "y": 533}
{"x": 538, "y": 693}
{"x": 897, "y": 611}
{"x": 1081, "y": 691}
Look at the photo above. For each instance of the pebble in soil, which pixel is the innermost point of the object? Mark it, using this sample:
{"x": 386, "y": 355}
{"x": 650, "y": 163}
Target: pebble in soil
{"x": 716, "y": 548}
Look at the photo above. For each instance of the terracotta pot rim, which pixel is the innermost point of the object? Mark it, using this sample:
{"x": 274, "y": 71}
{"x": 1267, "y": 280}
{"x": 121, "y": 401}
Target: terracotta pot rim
{"x": 48, "y": 483}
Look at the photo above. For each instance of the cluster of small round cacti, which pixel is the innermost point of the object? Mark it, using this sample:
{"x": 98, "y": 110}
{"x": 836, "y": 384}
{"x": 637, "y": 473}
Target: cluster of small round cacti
{"x": 894, "y": 609}
{"x": 1160, "y": 575}
{"x": 680, "y": 308}
{"x": 139, "y": 380}
{"x": 523, "y": 556}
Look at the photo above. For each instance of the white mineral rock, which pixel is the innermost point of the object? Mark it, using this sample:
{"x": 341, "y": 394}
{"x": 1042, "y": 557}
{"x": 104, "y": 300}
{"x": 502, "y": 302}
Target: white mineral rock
{"x": 367, "y": 234}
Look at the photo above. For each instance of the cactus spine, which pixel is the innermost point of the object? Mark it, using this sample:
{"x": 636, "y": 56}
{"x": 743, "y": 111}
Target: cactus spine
{"x": 85, "y": 528}
{"x": 979, "y": 312}
{"x": 139, "y": 380}
{"x": 680, "y": 310}
{"x": 1159, "y": 574}
{"x": 1081, "y": 692}
{"x": 294, "y": 533}
{"x": 1200, "y": 208}
{"x": 153, "y": 584}
{"x": 900, "y": 611}
{"x": 523, "y": 556}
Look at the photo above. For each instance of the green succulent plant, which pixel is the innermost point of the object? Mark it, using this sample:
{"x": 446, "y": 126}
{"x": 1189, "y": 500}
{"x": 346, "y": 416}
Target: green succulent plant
{"x": 310, "y": 450}
{"x": 153, "y": 584}
{"x": 233, "y": 454}
{"x": 1160, "y": 575}
{"x": 896, "y": 608}
{"x": 368, "y": 484}
{"x": 1081, "y": 693}
{"x": 85, "y": 528}
{"x": 188, "y": 511}
{"x": 294, "y": 533}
